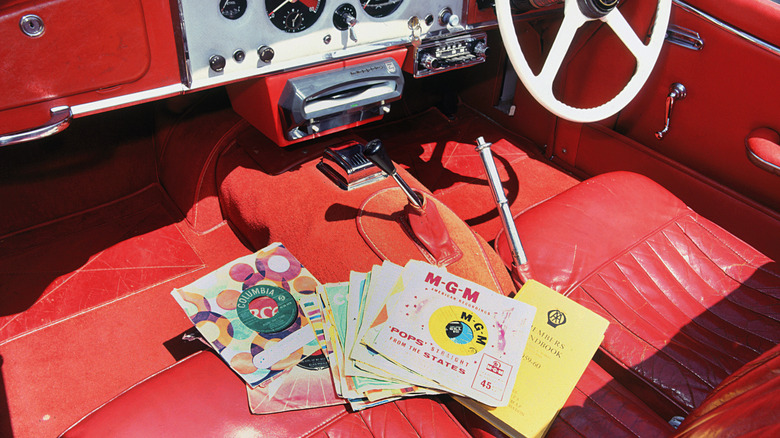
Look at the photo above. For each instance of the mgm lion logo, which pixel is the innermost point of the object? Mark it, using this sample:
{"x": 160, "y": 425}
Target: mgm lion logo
{"x": 555, "y": 318}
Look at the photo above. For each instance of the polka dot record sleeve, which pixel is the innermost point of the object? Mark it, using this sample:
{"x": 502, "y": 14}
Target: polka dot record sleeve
{"x": 249, "y": 312}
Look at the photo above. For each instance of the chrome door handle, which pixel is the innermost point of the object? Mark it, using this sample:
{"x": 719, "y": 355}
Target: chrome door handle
{"x": 683, "y": 37}
{"x": 676, "y": 92}
{"x": 60, "y": 119}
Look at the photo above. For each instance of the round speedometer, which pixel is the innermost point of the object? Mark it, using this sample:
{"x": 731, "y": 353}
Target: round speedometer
{"x": 380, "y": 8}
{"x": 294, "y": 15}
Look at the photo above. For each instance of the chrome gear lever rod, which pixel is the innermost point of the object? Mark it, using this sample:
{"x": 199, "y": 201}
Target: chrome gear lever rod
{"x": 518, "y": 255}
{"x": 375, "y": 152}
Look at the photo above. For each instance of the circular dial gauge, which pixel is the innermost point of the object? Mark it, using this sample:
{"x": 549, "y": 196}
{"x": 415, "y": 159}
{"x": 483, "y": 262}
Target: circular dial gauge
{"x": 294, "y": 15}
{"x": 232, "y": 9}
{"x": 380, "y": 8}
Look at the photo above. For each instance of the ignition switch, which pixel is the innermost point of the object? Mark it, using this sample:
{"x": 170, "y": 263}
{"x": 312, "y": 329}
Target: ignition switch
{"x": 345, "y": 19}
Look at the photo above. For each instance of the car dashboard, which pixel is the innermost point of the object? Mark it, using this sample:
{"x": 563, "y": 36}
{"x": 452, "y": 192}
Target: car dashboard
{"x": 236, "y": 39}
{"x": 92, "y": 59}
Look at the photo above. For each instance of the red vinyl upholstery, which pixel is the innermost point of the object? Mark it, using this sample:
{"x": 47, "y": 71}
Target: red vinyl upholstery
{"x": 745, "y": 404}
{"x": 201, "y": 397}
{"x": 600, "y": 406}
{"x": 688, "y": 303}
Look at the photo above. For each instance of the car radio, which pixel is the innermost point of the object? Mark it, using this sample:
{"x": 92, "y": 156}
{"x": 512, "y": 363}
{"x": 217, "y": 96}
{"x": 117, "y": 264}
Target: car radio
{"x": 449, "y": 54}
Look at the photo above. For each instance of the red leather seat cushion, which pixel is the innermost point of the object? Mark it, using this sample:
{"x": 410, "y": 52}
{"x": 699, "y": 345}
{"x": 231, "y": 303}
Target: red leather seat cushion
{"x": 200, "y": 396}
{"x": 745, "y": 404}
{"x": 599, "y": 406}
{"x": 688, "y": 303}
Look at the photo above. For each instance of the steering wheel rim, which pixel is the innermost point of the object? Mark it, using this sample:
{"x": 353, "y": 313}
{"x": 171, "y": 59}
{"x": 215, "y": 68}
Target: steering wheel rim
{"x": 540, "y": 86}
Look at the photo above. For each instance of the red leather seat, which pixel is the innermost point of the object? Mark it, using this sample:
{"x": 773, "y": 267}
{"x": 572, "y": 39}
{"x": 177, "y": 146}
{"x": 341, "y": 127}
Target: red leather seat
{"x": 201, "y": 397}
{"x": 744, "y": 404}
{"x": 688, "y": 303}
{"x": 598, "y": 407}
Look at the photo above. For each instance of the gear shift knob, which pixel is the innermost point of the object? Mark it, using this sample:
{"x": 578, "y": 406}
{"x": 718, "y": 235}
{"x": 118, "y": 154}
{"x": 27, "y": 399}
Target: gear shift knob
{"x": 376, "y": 153}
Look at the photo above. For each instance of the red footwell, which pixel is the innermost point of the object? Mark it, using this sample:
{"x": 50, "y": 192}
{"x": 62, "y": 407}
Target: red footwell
{"x": 112, "y": 251}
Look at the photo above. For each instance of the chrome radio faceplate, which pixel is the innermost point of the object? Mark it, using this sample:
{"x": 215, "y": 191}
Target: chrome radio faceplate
{"x": 450, "y": 53}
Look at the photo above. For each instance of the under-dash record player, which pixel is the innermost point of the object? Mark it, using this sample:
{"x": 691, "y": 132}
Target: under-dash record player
{"x": 331, "y": 99}
{"x": 304, "y": 104}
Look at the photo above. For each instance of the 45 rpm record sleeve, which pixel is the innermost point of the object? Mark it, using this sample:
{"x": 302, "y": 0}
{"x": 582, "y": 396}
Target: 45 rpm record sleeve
{"x": 249, "y": 312}
{"x": 465, "y": 337}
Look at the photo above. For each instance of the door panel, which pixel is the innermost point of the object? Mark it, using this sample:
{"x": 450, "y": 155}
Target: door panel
{"x": 91, "y": 56}
{"x": 732, "y": 88}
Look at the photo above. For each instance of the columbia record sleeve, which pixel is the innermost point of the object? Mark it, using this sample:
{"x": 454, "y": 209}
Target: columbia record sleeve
{"x": 249, "y": 312}
{"x": 465, "y": 337}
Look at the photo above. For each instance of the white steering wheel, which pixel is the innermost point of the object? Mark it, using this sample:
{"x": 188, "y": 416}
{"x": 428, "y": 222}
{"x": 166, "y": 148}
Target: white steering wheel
{"x": 541, "y": 86}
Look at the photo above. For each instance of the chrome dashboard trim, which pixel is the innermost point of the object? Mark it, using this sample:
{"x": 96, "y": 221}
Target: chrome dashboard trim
{"x": 729, "y": 28}
{"x": 88, "y": 108}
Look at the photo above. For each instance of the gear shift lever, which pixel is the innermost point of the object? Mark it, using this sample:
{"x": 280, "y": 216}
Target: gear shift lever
{"x": 423, "y": 217}
{"x": 377, "y": 154}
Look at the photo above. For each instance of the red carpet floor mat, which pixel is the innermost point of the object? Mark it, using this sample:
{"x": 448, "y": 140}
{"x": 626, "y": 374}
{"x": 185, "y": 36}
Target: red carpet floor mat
{"x": 440, "y": 153}
{"x": 87, "y": 310}
{"x": 66, "y": 267}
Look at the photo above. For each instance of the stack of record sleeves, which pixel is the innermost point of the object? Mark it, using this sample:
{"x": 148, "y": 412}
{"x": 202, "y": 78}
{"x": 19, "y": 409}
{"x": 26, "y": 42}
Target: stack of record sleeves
{"x": 402, "y": 331}
{"x": 385, "y": 334}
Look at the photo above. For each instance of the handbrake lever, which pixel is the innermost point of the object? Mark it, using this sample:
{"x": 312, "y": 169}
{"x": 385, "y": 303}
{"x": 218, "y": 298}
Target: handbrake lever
{"x": 518, "y": 254}
{"x": 377, "y": 154}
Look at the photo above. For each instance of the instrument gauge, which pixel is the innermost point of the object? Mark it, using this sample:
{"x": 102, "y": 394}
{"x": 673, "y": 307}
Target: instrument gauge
{"x": 380, "y": 8}
{"x": 232, "y": 9}
{"x": 294, "y": 15}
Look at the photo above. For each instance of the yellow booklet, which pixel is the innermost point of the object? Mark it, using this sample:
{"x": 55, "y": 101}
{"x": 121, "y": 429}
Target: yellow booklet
{"x": 564, "y": 336}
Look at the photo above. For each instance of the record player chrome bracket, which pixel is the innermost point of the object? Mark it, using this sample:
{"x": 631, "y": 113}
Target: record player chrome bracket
{"x": 348, "y": 168}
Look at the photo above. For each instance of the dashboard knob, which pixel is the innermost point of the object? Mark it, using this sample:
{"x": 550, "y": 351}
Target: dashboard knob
{"x": 429, "y": 62}
{"x": 266, "y": 54}
{"x": 480, "y": 48}
{"x": 444, "y": 16}
{"x": 217, "y": 63}
{"x": 451, "y": 21}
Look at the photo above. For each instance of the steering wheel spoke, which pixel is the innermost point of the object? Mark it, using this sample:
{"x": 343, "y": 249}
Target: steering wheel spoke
{"x": 541, "y": 86}
{"x": 563, "y": 40}
{"x": 623, "y": 30}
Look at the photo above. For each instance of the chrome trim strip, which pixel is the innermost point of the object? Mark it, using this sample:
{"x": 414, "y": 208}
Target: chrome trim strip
{"x": 128, "y": 99}
{"x": 60, "y": 119}
{"x": 727, "y": 27}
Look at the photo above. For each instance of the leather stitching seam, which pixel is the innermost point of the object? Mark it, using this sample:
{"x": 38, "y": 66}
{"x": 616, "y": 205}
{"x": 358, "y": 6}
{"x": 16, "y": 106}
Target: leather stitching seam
{"x": 761, "y": 268}
{"x": 627, "y": 329}
{"x": 622, "y": 252}
{"x": 704, "y": 309}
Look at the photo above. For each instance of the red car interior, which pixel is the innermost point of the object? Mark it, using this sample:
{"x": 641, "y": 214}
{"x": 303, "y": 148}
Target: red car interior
{"x": 176, "y": 157}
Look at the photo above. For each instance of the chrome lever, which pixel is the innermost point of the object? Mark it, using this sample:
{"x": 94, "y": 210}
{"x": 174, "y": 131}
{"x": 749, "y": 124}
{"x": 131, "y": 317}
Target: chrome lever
{"x": 690, "y": 39}
{"x": 677, "y": 91}
{"x": 518, "y": 254}
{"x": 376, "y": 153}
